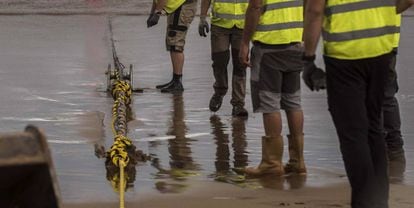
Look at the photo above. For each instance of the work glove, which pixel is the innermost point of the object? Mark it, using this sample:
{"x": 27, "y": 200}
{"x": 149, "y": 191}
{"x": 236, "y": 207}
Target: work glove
{"x": 153, "y": 19}
{"x": 314, "y": 77}
{"x": 203, "y": 27}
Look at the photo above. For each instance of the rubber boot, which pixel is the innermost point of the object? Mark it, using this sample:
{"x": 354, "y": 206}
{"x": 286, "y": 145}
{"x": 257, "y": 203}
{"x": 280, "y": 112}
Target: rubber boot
{"x": 175, "y": 87}
{"x": 296, "y": 162}
{"x": 175, "y": 78}
{"x": 164, "y": 85}
{"x": 272, "y": 153}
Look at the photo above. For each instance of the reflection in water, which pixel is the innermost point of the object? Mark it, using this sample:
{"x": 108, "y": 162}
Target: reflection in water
{"x": 239, "y": 142}
{"x": 222, "y": 163}
{"x": 293, "y": 181}
{"x": 179, "y": 147}
{"x": 113, "y": 176}
{"x": 271, "y": 182}
{"x": 296, "y": 181}
{"x": 222, "y": 151}
{"x": 181, "y": 161}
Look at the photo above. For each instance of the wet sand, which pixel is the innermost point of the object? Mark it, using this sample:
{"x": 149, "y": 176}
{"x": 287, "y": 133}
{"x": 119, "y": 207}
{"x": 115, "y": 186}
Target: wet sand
{"x": 52, "y": 75}
{"x": 210, "y": 194}
{"x": 67, "y": 7}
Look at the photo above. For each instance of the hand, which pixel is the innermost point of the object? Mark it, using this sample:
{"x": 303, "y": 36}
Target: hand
{"x": 244, "y": 55}
{"x": 153, "y": 19}
{"x": 203, "y": 27}
{"x": 313, "y": 76}
{"x": 319, "y": 79}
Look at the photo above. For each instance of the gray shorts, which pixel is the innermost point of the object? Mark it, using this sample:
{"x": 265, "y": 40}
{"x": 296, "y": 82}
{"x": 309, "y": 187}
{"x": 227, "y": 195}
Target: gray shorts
{"x": 275, "y": 77}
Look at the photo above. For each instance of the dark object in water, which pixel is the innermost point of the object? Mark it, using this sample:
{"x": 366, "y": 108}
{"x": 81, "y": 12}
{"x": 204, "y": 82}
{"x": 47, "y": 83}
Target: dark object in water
{"x": 27, "y": 175}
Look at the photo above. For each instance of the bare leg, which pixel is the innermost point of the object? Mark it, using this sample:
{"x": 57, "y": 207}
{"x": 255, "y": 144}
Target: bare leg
{"x": 177, "y": 60}
{"x": 295, "y": 122}
{"x": 272, "y": 124}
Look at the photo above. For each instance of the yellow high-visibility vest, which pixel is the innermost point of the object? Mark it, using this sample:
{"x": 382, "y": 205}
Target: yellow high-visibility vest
{"x": 397, "y": 35}
{"x": 280, "y": 23}
{"x": 228, "y": 13}
{"x": 172, "y": 5}
{"x": 358, "y": 29}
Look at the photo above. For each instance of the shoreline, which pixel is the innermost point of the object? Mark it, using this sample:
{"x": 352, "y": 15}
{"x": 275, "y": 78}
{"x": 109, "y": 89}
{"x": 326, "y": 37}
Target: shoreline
{"x": 213, "y": 194}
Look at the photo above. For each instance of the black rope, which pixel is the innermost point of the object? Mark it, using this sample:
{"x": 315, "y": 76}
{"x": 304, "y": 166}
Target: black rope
{"x": 119, "y": 67}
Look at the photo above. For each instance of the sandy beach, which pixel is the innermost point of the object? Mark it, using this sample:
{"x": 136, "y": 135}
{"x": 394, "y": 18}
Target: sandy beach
{"x": 206, "y": 195}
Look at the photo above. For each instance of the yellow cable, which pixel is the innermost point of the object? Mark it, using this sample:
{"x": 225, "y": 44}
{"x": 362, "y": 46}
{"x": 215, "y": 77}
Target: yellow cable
{"x": 113, "y": 125}
{"x": 121, "y": 93}
{"x": 121, "y": 184}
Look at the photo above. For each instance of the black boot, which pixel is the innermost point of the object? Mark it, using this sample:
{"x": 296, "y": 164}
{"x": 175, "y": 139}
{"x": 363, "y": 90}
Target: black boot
{"x": 175, "y": 87}
{"x": 164, "y": 85}
{"x": 176, "y": 77}
{"x": 239, "y": 111}
{"x": 215, "y": 102}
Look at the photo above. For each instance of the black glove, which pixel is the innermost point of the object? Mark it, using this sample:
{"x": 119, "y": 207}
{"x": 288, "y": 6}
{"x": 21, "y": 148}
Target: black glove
{"x": 313, "y": 76}
{"x": 153, "y": 19}
{"x": 203, "y": 27}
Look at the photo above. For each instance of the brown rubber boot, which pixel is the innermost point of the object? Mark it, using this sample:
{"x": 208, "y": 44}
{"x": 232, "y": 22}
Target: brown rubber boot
{"x": 272, "y": 153}
{"x": 296, "y": 162}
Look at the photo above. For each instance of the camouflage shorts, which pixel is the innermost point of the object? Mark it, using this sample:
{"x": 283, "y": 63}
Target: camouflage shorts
{"x": 178, "y": 24}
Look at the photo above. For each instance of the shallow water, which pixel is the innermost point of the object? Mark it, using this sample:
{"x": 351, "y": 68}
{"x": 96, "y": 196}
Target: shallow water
{"x": 52, "y": 75}
{"x": 74, "y": 6}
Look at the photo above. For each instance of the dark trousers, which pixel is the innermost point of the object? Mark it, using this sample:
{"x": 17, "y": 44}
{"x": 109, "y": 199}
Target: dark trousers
{"x": 222, "y": 39}
{"x": 355, "y": 98}
{"x": 391, "y": 110}
{"x": 392, "y": 126}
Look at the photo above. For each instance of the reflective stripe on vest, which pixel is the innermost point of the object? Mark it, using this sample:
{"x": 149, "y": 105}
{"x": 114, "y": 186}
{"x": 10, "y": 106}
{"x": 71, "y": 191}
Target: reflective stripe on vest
{"x": 357, "y": 29}
{"x": 357, "y": 6}
{"x": 173, "y": 5}
{"x": 360, "y": 34}
{"x": 280, "y": 23}
{"x": 229, "y": 13}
